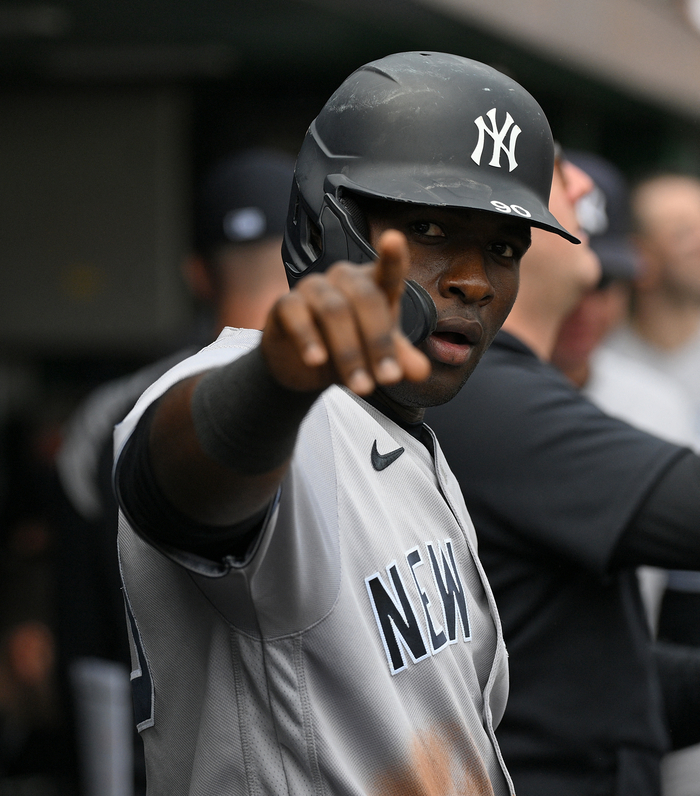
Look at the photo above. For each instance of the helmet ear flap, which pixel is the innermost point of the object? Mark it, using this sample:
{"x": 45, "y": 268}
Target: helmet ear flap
{"x": 313, "y": 242}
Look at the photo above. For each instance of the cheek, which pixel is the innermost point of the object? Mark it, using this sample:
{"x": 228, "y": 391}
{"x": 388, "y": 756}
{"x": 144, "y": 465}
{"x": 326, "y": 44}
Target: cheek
{"x": 426, "y": 268}
{"x": 505, "y": 284}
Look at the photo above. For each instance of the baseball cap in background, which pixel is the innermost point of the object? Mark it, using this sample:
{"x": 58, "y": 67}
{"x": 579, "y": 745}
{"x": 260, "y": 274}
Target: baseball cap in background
{"x": 604, "y": 214}
{"x": 243, "y": 198}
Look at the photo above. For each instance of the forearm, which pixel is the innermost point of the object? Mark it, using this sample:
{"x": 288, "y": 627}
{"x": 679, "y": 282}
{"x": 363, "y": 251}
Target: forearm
{"x": 220, "y": 442}
{"x": 666, "y": 530}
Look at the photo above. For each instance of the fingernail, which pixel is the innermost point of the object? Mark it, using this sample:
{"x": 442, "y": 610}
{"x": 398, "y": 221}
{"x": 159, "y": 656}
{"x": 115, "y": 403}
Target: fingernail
{"x": 360, "y": 382}
{"x": 388, "y": 370}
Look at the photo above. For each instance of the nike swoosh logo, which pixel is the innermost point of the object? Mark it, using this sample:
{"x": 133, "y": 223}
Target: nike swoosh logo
{"x": 380, "y": 461}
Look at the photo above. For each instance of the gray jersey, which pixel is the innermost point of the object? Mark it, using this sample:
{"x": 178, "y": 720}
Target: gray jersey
{"x": 357, "y": 648}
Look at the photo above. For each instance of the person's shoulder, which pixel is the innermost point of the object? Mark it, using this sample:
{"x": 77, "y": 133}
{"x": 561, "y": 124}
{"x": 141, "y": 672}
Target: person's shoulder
{"x": 638, "y": 393}
{"x": 511, "y": 370}
{"x": 510, "y": 386}
{"x": 89, "y": 431}
{"x": 507, "y": 350}
{"x": 234, "y": 337}
{"x": 632, "y": 375}
{"x": 624, "y": 340}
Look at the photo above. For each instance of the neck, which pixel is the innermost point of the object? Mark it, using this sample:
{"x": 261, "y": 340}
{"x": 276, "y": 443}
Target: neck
{"x": 537, "y": 332}
{"x": 666, "y": 321}
{"x": 405, "y": 414}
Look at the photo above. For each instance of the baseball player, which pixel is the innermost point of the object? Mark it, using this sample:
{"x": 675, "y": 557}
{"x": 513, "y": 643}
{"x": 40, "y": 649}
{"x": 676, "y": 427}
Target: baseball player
{"x": 306, "y": 606}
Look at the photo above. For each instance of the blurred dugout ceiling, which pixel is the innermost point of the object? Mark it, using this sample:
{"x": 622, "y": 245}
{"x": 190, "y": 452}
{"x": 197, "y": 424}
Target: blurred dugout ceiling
{"x": 649, "y": 48}
{"x": 607, "y": 72}
{"x": 112, "y": 107}
{"x": 610, "y": 55}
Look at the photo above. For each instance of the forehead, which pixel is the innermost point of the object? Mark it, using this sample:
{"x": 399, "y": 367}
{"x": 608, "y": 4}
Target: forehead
{"x": 662, "y": 200}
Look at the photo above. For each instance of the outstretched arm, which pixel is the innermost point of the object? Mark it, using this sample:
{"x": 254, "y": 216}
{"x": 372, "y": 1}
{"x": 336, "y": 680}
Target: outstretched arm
{"x": 220, "y": 443}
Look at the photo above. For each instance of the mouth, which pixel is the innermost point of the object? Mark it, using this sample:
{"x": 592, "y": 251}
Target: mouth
{"x": 453, "y": 340}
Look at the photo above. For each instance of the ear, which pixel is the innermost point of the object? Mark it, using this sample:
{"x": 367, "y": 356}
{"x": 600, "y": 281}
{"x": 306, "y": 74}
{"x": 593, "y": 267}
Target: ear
{"x": 198, "y": 278}
{"x": 31, "y": 651}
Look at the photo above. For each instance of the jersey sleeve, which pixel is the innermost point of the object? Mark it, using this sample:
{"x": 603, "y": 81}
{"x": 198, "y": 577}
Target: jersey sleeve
{"x": 149, "y": 512}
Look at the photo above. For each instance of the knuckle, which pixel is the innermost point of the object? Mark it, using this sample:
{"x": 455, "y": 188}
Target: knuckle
{"x": 383, "y": 341}
{"x": 332, "y": 302}
{"x": 297, "y": 325}
{"x": 366, "y": 289}
{"x": 290, "y": 300}
{"x": 285, "y": 307}
{"x": 309, "y": 285}
{"x": 346, "y": 358}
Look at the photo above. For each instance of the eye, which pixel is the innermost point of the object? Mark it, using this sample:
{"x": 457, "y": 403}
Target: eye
{"x": 502, "y": 249}
{"x": 427, "y": 229}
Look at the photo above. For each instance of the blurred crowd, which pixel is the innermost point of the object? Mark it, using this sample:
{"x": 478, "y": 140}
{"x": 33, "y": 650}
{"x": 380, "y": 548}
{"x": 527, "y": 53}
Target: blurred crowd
{"x": 630, "y": 342}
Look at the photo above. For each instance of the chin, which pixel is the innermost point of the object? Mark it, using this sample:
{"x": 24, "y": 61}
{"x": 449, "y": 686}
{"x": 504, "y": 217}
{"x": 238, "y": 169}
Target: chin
{"x": 434, "y": 391}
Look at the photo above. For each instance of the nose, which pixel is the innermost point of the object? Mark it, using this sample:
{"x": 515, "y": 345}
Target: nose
{"x": 466, "y": 279}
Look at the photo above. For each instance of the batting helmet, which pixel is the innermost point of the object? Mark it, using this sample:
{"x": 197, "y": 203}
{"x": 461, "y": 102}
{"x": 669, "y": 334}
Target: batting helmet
{"x": 422, "y": 127}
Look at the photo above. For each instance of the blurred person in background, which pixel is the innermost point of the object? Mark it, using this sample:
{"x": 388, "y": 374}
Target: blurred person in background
{"x": 626, "y": 388}
{"x": 621, "y": 386}
{"x": 663, "y": 333}
{"x": 663, "y": 330}
{"x": 568, "y": 502}
{"x": 236, "y": 273}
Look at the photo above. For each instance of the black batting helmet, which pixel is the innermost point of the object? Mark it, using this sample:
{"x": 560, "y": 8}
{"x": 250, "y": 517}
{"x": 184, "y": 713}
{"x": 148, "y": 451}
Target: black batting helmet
{"x": 423, "y": 127}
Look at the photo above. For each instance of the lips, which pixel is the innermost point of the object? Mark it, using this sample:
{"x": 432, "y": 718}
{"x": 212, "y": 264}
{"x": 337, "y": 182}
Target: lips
{"x": 453, "y": 340}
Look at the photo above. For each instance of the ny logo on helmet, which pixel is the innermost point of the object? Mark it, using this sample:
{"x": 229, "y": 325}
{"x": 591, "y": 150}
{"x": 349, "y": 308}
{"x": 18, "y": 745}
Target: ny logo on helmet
{"x": 498, "y": 137}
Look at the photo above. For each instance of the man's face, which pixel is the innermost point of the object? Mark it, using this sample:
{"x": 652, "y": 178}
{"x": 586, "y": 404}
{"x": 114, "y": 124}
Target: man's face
{"x": 468, "y": 260}
{"x": 670, "y": 209}
{"x": 556, "y": 273}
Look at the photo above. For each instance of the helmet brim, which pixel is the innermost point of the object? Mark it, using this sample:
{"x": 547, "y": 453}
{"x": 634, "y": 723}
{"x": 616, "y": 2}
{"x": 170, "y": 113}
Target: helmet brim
{"x": 450, "y": 189}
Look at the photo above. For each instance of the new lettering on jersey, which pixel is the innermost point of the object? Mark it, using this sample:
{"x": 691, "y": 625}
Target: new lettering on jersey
{"x": 436, "y": 637}
{"x": 449, "y": 587}
{"x": 399, "y": 625}
{"x": 498, "y": 138}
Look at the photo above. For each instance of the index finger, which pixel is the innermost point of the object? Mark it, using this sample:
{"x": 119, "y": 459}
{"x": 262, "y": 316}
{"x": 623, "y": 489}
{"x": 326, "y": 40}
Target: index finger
{"x": 392, "y": 265}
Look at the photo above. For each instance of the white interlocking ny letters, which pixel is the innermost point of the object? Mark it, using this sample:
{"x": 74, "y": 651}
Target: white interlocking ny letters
{"x": 498, "y": 137}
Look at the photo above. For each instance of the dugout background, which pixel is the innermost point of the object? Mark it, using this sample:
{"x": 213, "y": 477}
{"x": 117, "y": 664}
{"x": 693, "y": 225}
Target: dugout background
{"x": 111, "y": 111}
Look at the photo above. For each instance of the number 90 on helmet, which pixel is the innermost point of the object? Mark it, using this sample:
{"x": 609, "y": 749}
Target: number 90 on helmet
{"x": 422, "y": 127}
